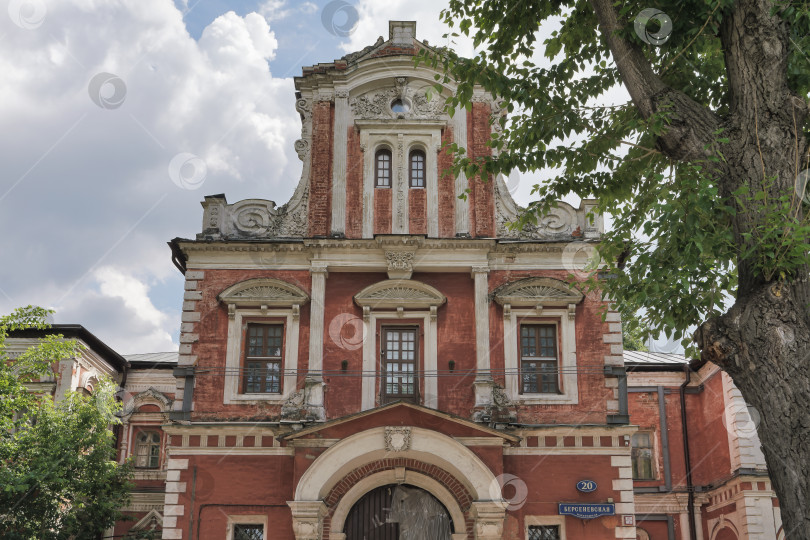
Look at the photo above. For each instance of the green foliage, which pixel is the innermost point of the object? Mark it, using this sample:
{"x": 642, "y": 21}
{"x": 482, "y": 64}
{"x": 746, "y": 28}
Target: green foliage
{"x": 634, "y": 334}
{"x": 59, "y": 477}
{"x": 671, "y": 222}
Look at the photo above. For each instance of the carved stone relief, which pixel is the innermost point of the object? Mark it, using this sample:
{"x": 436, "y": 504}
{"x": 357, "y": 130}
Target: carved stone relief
{"x": 397, "y": 439}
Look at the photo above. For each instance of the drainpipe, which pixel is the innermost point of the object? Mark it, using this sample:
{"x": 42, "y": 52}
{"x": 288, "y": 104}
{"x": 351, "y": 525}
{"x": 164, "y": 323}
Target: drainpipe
{"x": 690, "y": 488}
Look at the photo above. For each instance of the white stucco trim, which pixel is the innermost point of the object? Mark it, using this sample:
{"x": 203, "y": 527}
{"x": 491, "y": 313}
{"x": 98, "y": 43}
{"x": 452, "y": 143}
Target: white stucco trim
{"x": 368, "y": 446}
{"x": 233, "y": 359}
{"x": 568, "y": 356}
{"x": 430, "y": 329}
{"x": 384, "y": 478}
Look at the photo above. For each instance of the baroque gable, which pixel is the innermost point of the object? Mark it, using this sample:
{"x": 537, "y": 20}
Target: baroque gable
{"x": 263, "y": 292}
{"x": 537, "y": 292}
{"x": 399, "y": 293}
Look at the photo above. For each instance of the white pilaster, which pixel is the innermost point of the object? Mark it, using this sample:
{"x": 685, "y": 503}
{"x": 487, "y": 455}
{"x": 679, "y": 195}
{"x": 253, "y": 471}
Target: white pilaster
{"x": 399, "y": 203}
{"x": 319, "y": 272}
{"x": 462, "y": 205}
{"x": 483, "y": 378}
{"x": 342, "y": 119}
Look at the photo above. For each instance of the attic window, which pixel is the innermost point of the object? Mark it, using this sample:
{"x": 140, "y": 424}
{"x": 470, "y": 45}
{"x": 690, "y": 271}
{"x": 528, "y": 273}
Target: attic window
{"x": 399, "y": 106}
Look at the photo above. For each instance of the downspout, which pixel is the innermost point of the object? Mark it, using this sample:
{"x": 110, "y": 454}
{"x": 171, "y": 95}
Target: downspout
{"x": 690, "y": 488}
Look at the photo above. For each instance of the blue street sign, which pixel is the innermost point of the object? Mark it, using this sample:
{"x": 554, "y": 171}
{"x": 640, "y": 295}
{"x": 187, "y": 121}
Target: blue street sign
{"x": 586, "y": 486}
{"x": 586, "y": 510}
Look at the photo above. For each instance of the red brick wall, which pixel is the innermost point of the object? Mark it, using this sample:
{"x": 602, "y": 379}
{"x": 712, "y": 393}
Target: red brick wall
{"x": 382, "y": 211}
{"x": 343, "y": 322}
{"x": 551, "y": 480}
{"x": 212, "y": 345}
{"x": 320, "y": 186}
{"x": 237, "y": 485}
{"x": 417, "y": 211}
{"x": 354, "y": 185}
{"x": 447, "y": 188}
{"x": 708, "y": 437}
{"x": 591, "y": 352}
{"x": 482, "y": 199}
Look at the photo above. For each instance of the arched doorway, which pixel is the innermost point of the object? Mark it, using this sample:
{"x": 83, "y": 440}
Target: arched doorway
{"x": 398, "y": 512}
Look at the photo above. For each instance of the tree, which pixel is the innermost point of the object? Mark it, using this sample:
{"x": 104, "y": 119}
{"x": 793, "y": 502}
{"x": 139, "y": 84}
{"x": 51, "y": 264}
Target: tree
{"x": 704, "y": 169}
{"x": 634, "y": 334}
{"x": 59, "y": 477}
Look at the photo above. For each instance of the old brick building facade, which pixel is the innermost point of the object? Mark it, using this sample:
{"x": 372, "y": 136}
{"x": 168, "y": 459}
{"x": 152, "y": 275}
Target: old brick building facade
{"x": 379, "y": 358}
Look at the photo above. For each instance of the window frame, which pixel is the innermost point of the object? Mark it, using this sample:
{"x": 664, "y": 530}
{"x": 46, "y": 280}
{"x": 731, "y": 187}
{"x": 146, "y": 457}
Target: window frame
{"x": 566, "y": 353}
{"x": 553, "y": 323}
{"x": 652, "y": 455}
{"x": 417, "y": 363}
{"x": 544, "y": 521}
{"x": 383, "y": 150}
{"x": 234, "y": 356}
{"x": 264, "y": 322}
{"x": 413, "y": 153}
{"x": 134, "y": 452}
{"x": 245, "y": 519}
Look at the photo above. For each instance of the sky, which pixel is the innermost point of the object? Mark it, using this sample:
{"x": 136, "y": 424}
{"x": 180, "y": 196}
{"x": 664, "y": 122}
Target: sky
{"x": 119, "y": 117}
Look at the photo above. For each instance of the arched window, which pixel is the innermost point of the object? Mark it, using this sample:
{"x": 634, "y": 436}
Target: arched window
{"x": 147, "y": 450}
{"x": 416, "y": 169}
{"x": 382, "y": 168}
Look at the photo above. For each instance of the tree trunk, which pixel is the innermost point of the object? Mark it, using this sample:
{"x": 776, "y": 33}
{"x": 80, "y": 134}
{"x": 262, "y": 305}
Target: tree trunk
{"x": 763, "y": 341}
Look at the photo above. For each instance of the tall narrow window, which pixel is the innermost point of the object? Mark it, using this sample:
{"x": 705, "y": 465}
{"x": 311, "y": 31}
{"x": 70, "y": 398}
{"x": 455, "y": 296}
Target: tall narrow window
{"x": 147, "y": 450}
{"x": 416, "y": 169}
{"x": 642, "y": 456}
{"x": 263, "y": 352}
{"x": 538, "y": 358}
{"x": 382, "y": 168}
{"x": 399, "y": 357}
{"x": 544, "y": 532}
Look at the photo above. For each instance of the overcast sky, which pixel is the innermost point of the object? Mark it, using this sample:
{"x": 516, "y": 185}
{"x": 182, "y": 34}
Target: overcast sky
{"x": 101, "y": 104}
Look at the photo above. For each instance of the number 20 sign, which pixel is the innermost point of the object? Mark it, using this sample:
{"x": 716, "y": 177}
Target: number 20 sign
{"x": 586, "y": 486}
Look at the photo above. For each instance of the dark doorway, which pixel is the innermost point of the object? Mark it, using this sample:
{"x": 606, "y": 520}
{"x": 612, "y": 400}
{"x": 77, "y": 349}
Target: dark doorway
{"x": 398, "y": 512}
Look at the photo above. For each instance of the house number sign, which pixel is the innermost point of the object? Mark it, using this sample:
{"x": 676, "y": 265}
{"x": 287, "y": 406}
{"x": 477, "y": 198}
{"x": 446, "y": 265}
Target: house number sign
{"x": 586, "y": 486}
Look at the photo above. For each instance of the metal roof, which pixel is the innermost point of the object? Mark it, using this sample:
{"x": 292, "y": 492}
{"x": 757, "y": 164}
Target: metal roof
{"x": 638, "y": 357}
{"x": 152, "y": 359}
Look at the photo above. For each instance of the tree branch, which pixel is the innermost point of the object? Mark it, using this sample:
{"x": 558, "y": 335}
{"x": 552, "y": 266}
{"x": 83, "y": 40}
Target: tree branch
{"x": 692, "y": 126}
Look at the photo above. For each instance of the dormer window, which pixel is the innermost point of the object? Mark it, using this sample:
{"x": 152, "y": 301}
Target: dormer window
{"x": 382, "y": 168}
{"x": 399, "y": 106}
{"x": 416, "y": 169}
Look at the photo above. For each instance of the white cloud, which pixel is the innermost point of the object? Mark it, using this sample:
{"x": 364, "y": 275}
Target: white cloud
{"x": 86, "y": 202}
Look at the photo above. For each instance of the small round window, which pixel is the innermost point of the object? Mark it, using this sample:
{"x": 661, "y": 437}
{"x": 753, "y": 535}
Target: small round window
{"x": 399, "y": 106}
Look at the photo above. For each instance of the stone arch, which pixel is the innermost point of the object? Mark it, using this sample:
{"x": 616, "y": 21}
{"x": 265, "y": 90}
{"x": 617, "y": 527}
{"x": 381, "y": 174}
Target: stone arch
{"x": 725, "y": 530}
{"x": 356, "y": 492}
{"x": 419, "y": 445}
